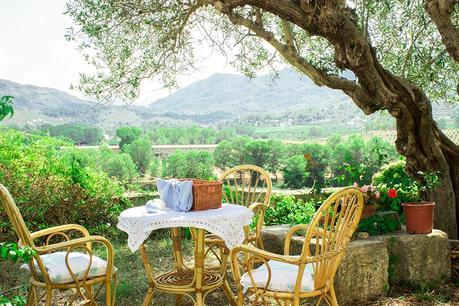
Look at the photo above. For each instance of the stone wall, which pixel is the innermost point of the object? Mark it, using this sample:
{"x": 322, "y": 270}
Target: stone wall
{"x": 370, "y": 264}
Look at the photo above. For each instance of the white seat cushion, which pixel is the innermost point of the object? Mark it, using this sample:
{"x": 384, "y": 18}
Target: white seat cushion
{"x": 78, "y": 262}
{"x": 283, "y": 277}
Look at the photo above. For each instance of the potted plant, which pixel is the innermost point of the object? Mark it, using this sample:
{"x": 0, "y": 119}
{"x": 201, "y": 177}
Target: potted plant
{"x": 419, "y": 215}
{"x": 372, "y": 197}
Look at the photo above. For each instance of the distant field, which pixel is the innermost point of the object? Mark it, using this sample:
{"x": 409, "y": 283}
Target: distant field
{"x": 295, "y": 131}
{"x": 298, "y": 134}
{"x": 391, "y": 136}
{"x": 453, "y": 134}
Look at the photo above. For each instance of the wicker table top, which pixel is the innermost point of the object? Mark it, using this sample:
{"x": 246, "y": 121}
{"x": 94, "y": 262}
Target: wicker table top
{"x": 227, "y": 222}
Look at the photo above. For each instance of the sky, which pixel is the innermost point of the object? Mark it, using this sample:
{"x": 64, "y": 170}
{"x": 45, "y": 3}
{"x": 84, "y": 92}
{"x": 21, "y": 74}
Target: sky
{"x": 33, "y": 50}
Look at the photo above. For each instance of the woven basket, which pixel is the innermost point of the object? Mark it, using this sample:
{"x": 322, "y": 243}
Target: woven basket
{"x": 206, "y": 194}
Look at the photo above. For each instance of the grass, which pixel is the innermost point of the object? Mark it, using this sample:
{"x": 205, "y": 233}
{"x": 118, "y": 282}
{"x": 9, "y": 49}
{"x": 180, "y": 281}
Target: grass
{"x": 132, "y": 282}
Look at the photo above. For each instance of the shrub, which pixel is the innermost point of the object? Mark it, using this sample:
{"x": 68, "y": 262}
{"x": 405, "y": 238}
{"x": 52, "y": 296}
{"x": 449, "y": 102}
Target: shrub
{"x": 54, "y": 183}
{"x": 377, "y": 225}
{"x": 141, "y": 153}
{"x": 11, "y": 252}
{"x": 231, "y": 153}
{"x": 79, "y": 134}
{"x": 155, "y": 168}
{"x": 120, "y": 166}
{"x": 317, "y": 159}
{"x": 191, "y": 164}
{"x": 288, "y": 210}
{"x": 354, "y": 160}
{"x": 394, "y": 176}
{"x": 127, "y": 135}
{"x": 295, "y": 175}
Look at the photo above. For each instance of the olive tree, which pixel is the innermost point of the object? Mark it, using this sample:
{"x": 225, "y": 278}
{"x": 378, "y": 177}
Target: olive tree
{"x": 399, "y": 57}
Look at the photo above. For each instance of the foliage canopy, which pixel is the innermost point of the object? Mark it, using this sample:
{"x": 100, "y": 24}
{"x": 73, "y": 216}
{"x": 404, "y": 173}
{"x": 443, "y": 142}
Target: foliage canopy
{"x": 129, "y": 41}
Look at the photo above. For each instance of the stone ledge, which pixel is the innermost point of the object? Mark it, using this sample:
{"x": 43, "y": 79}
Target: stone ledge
{"x": 363, "y": 273}
{"x": 418, "y": 258}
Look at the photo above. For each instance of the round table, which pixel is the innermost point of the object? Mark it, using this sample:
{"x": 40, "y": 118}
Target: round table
{"x": 228, "y": 222}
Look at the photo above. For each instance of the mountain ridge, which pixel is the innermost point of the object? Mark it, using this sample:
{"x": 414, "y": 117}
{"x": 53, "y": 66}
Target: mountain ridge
{"x": 219, "y": 100}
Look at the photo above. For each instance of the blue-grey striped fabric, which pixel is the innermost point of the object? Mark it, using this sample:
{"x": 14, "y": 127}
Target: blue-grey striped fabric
{"x": 176, "y": 194}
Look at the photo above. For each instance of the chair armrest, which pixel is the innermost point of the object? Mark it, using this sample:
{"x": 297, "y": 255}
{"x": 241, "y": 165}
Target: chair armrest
{"x": 256, "y": 206}
{"x": 290, "y": 233}
{"x": 258, "y": 209}
{"x": 262, "y": 254}
{"x": 60, "y": 228}
{"x": 74, "y": 243}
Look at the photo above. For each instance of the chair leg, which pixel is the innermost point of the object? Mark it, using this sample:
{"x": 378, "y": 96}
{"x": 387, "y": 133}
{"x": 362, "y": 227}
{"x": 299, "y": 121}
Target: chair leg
{"x": 332, "y": 295}
{"x": 32, "y": 296}
{"x": 108, "y": 292}
{"x": 89, "y": 294}
{"x": 296, "y": 301}
{"x": 49, "y": 294}
{"x": 114, "y": 289}
{"x": 199, "y": 299}
{"x": 319, "y": 300}
{"x": 149, "y": 297}
{"x": 229, "y": 293}
{"x": 240, "y": 295}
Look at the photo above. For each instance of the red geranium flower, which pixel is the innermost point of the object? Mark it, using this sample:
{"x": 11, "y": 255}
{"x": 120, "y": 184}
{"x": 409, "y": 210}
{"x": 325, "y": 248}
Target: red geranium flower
{"x": 392, "y": 193}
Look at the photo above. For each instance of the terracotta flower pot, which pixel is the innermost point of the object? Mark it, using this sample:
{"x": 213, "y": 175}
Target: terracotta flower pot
{"x": 368, "y": 210}
{"x": 419, "y": 217}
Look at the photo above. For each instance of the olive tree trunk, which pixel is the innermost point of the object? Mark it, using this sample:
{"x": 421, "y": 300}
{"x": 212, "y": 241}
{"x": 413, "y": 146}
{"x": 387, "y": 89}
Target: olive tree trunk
{"x": 418, "y": 138}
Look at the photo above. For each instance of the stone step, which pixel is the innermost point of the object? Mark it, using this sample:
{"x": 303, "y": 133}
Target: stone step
{"x": 369, "y": 265}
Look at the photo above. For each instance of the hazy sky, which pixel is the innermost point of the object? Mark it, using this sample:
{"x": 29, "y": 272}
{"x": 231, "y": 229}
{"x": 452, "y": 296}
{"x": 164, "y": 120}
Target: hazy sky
{"x": 33, "y": 49}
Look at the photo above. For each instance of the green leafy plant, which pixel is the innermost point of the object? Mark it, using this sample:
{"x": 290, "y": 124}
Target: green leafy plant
{"x": 394, "y": 176}
{"x": 428, "y": 181}
{"x": 288, "y": 210}
{"x": 394, "y": 179}
{"x": 11, "y": 252}
{"x": 54, "y": 183}
{"x": 15, "y": 301}
{"x": 6, "y": 107}
{"x": 378, "y": 224}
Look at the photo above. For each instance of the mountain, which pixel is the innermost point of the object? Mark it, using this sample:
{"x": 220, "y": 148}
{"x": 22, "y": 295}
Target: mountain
{"x": 236, "y": 95}
{"x": 35, "y": 97}
{"x": 36, "y": 104}
{"x": 220, "y": 100}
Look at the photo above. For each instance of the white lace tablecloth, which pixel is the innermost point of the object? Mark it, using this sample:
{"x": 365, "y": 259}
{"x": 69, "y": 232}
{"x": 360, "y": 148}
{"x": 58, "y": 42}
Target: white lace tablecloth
{"x": 227, "y": 222}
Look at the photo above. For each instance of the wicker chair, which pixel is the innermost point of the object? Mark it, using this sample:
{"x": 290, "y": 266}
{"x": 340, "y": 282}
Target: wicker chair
{"x": 250, "y": 186}
{"x": 286, "y": 278}
{"x": 59, "y": 265}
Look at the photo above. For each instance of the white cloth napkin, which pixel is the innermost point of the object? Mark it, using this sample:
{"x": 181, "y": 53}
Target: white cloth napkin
{"x": 156, "y": 205}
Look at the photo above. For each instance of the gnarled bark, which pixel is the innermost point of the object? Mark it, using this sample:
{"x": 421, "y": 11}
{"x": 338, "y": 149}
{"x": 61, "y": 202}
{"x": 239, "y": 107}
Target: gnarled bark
{"x": 418, "y": 138}
{"x": 441, "y": 12}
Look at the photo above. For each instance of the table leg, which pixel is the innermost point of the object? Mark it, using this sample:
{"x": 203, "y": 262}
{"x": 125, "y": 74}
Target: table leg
{"x": 199, "y": 265}
{"x": 178, "y": 300}
{"x": 151, "y": 289}
{"x": 177, "y": 246}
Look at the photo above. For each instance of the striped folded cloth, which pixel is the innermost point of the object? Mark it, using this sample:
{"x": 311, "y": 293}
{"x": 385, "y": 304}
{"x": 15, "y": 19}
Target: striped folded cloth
{"x": 156, "y": 205}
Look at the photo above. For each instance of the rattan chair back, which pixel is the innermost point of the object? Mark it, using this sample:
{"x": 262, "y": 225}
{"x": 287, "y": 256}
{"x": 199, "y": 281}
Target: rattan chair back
{"x": 330, "y": 231}
{"x": 15, "y": 217}
{"x": 246, "y": 184}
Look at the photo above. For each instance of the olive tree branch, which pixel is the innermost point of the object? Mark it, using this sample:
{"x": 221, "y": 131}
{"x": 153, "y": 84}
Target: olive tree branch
{"x": 363, "y": 100}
